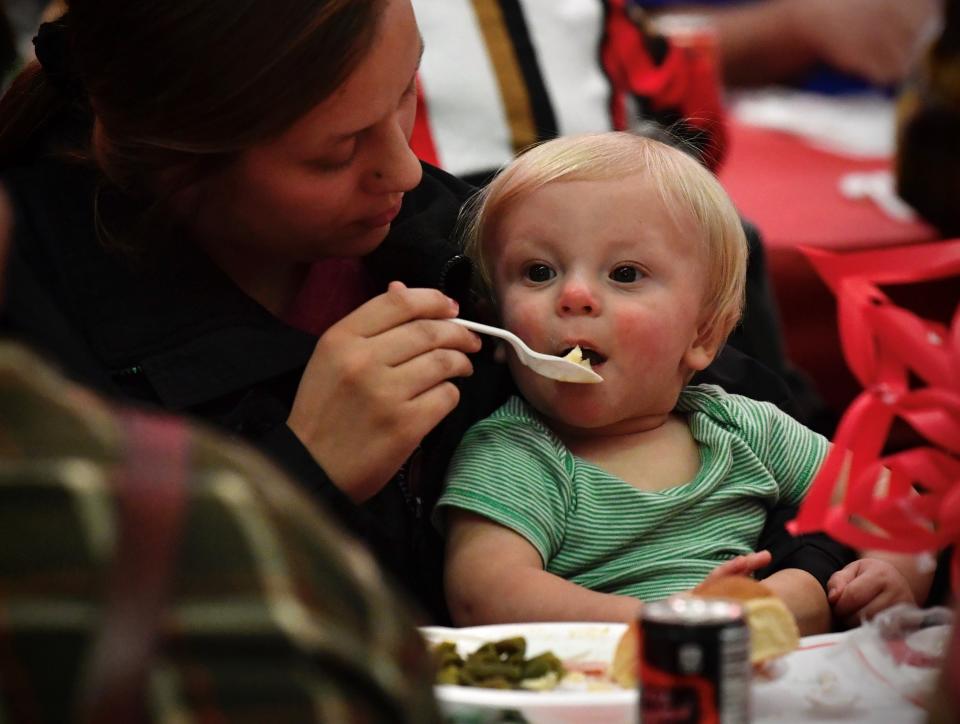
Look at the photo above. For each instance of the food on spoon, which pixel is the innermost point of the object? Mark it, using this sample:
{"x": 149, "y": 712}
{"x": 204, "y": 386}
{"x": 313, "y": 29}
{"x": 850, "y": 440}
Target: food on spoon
{"x": 773, "y": 629}
{"x": 575, "y": 355}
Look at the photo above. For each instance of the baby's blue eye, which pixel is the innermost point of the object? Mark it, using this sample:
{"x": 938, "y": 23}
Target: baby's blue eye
{"x": 540, "y": 273}
{"x": 625, "y": 274}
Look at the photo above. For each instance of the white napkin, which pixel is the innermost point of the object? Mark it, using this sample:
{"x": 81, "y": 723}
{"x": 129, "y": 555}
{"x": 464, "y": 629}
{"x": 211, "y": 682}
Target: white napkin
{"x": 860, "y": 124}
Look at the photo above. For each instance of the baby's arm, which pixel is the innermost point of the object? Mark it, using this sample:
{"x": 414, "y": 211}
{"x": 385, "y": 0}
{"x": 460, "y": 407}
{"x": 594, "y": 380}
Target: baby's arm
{"x": 800, "y": 591}
{"x": 804, "y": 596}
{"x": 875, "y": 582}
{"x": 494, "y": 575}
{"x": 801, "y": 568}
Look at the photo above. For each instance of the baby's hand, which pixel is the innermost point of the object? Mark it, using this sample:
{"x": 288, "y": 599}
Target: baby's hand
{"x": 740, "y": 566}
{"x": 865, "y": 588}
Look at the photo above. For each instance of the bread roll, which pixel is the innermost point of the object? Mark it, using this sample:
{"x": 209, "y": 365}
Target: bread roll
{"x": 626, "y": 658}
{"x": 773, "y": 629}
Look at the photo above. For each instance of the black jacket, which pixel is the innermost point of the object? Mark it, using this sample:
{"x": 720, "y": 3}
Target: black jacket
{"x": 177, "y": 333}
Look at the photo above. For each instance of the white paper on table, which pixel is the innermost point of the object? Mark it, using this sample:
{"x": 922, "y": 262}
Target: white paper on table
{"x": 861, "y": 124}
{"x": 788, "y": 698}
{"x": 878, "y": 187}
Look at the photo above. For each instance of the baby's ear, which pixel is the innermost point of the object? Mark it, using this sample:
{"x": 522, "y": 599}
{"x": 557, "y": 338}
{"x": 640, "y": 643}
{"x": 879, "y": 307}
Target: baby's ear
{"x": 704, "y": 348}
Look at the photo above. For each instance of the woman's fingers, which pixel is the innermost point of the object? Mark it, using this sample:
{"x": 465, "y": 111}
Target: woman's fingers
{"x": 377, "y": 383}
{"x": 428, "y": 370}
{"x": 368, "y": 447}
{"x": 413, "y": 339}
{"x": 398, "y": 305}
{"x": 431, "y": 406}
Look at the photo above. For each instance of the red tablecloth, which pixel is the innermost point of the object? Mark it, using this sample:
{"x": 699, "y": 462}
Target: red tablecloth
{"x": 790, "y": 190}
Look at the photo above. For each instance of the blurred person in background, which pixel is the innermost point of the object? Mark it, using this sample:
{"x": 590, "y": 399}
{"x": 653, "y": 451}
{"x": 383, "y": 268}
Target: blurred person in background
{"x": 823, "y": 45}
{"x": 500, "y": 76}
{"x": 928, "y": 134}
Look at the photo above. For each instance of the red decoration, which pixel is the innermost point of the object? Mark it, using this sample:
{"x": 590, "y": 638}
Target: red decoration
{"x": 909, "y": 367}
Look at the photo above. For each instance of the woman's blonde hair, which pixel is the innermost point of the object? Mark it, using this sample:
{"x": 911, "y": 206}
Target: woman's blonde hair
{"x": 688, "y": 190}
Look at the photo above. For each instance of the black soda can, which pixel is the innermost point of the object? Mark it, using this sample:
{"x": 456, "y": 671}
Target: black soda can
{"x": 694, "y": 662}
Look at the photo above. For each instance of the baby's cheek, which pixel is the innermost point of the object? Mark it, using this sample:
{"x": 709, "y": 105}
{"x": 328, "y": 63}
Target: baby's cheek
{"x": 628, "y": 325}
{"x": 524, "y": 320}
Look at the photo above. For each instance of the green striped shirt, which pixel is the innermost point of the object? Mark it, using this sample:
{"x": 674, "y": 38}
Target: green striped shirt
{"x": 599, "y": 531}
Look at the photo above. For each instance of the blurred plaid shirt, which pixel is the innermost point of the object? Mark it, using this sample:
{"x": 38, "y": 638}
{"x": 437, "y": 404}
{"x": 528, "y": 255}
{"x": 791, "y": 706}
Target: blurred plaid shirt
{"x": 273, "y": 615}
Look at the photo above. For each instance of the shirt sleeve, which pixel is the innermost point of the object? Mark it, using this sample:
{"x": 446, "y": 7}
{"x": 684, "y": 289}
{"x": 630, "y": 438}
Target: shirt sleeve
{"x": 816, "y": 553}
{"x": 513, "y": 474}
{"x": 791, "y": 451}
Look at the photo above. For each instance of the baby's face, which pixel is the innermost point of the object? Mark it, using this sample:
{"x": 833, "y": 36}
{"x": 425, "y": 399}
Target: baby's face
{"x": 602, "y": 265}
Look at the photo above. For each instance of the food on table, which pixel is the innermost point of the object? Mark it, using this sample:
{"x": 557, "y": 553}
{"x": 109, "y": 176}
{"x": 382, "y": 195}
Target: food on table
{"x": 773, "y": 629}
{"x": 626, "y": 657}
{"x": 497, "y": 665}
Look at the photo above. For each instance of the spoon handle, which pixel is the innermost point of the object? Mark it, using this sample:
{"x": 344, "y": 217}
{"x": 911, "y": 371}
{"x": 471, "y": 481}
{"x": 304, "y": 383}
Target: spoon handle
{"x": 487, "y": 329}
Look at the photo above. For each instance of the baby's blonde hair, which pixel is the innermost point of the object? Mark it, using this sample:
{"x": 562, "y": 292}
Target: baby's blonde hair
{"x": 687, "y": 189}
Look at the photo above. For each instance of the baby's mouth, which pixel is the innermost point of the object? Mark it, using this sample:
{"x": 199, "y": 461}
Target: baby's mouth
{"x": 594, "y": 357}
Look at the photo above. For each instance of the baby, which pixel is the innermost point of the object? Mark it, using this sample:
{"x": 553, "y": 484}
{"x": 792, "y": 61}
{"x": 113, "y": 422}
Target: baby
{"x": 577, "y": 501}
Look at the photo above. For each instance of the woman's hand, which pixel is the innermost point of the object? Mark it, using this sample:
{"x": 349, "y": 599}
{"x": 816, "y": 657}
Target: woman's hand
{"x": 377, "y": 383}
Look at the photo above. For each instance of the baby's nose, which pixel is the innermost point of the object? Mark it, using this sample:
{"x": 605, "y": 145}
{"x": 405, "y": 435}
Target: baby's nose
{"x": 577, "y": 298}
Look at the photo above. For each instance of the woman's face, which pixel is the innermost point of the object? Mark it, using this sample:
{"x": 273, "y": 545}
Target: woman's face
{"x": 330, "y": 185}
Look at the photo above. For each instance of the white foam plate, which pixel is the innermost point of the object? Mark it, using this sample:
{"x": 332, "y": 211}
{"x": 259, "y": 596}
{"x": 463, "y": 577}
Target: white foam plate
{"x": 584, "y": 642}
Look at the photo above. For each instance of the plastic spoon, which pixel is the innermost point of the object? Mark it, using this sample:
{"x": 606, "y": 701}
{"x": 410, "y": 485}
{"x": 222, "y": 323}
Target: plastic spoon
{"x": 548, "y": 365}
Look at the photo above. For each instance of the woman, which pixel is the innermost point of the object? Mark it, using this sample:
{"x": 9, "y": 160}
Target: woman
{"x": 209, "y": 216}
{"x": 165, "y": 265}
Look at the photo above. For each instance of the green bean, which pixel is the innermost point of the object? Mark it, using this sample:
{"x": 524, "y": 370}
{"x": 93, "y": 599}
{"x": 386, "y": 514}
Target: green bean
{"x": 517, "y": 645}
{"x": 483, "y": 669}
{"x": 448, "y": 675}
{"x": 445, "y": 654}
{"x": 496, "y": 665}
{"x": 541, "y": 666}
